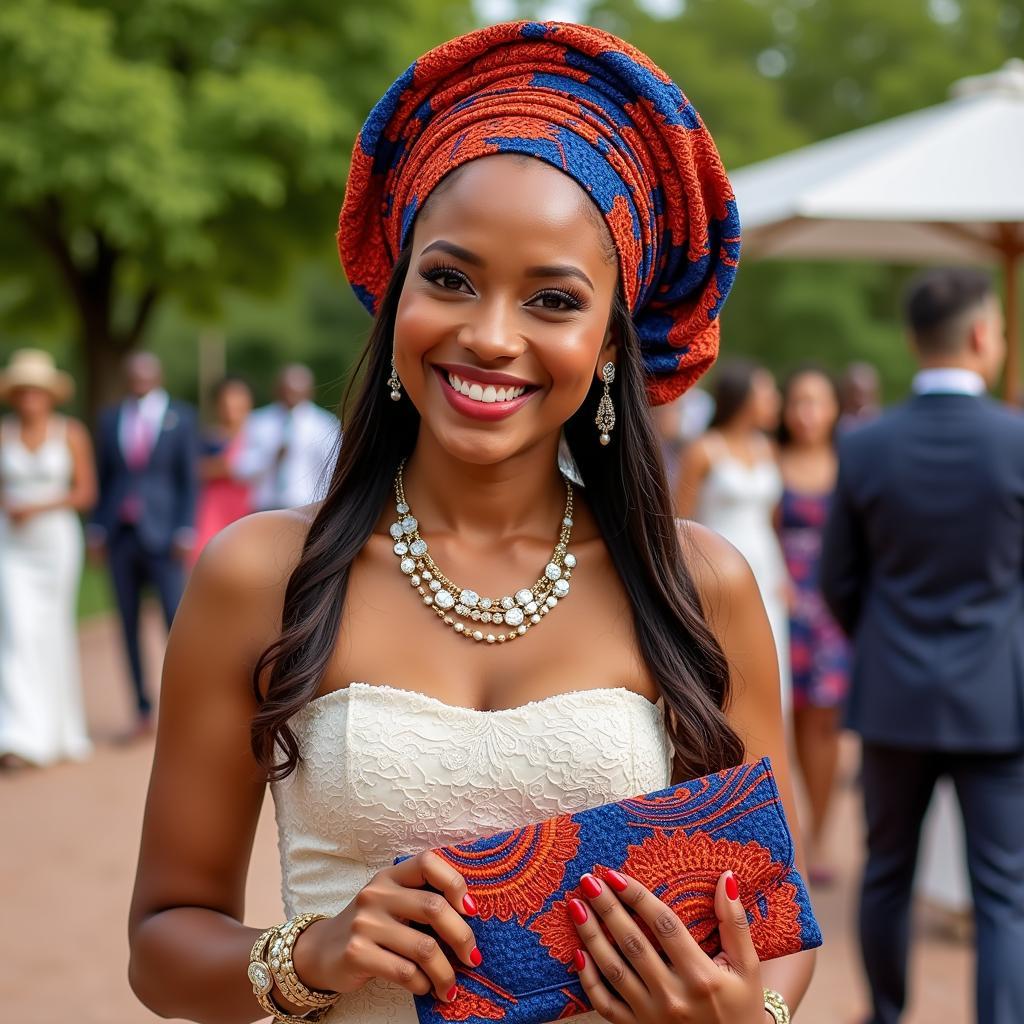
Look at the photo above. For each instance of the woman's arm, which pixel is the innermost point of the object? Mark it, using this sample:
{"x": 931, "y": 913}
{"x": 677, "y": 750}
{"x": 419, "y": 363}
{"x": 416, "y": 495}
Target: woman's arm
{"x": 82, "y": 496}
{"x": 189, "y": 951}
{"x": 733, "y": 606}
{"x": 692, "y": 470}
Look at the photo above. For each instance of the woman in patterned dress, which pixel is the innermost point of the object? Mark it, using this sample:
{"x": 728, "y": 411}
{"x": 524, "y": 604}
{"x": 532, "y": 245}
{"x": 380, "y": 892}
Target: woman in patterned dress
{"x": 818, "y": 652}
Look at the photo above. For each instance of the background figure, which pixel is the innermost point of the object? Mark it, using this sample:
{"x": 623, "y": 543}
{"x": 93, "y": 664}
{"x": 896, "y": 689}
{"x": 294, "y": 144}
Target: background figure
{"x": 147, "y": 457}
{"x": 818, "y": 653}
{"x": 924, "y": 565}
{"x": 289, "y": 445}
{"x": 730, "y": 481}
{"x": 46, "y": 478}
{"x": 678, "y": 424}
{"x": 223, "y": 498}
{"x": 859, "y": 395}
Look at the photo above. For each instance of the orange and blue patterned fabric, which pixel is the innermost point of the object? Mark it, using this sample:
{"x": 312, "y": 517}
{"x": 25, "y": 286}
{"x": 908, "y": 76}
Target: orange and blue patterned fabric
{"x": 597, "y": 109}
{"x": 677, "y": 842}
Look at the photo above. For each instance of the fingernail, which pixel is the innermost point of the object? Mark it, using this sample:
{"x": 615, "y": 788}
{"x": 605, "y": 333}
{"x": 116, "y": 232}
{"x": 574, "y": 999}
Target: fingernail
{"x": 452, "y": 993}
{"x": 469, "y": 905}
{"x": 579, "y": 961}
{"x": 615, "y": 880}
{"x": 590, "y": 885}
{"x": 732, "y": 889}
{"x": 578, "y": 911}
{"x": 476, "y": 958}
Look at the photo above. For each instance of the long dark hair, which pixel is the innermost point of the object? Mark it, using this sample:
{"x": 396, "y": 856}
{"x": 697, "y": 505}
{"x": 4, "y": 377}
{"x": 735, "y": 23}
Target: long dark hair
{"x": 627, "y": 493}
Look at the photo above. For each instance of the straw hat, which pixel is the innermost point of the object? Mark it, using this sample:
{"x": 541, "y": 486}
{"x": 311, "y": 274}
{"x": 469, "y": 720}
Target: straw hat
{"x": 34, "y": 368}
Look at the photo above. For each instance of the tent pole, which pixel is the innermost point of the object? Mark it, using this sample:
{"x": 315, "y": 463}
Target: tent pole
{"x": 1011, "y": 257}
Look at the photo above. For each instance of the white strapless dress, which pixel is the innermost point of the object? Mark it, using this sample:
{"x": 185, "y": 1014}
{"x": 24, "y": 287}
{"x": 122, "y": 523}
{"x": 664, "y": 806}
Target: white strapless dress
{"x": 386, "y": 771}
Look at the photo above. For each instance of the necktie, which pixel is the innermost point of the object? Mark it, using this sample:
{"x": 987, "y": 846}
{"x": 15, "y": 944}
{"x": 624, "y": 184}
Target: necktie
{"x": 139, "y": 439}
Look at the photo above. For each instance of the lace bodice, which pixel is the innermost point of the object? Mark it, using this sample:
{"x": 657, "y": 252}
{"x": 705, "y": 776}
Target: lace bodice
{"x": 386, "y": 771}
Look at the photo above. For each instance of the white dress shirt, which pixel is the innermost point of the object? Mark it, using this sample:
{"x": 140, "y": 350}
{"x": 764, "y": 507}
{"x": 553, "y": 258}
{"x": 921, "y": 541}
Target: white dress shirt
{"x": 151, "y": 408}
{"x": 309, "y": 435}
{"x": 948, "y": 380}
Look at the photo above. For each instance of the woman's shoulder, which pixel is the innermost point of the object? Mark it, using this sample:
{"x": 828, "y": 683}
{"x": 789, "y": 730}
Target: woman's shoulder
{"x": 722, "y": 575}
{"x": 256, "y": 555}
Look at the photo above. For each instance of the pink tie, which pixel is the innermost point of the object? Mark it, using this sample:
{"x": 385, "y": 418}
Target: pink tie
{"x": 139, "y": 442}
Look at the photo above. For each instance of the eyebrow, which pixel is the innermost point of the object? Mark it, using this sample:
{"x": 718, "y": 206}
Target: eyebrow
{"x": 548, "y": 270}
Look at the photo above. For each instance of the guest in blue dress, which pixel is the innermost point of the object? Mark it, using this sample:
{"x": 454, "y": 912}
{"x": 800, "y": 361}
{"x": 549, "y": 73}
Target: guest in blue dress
{"x": 819, "y": 656}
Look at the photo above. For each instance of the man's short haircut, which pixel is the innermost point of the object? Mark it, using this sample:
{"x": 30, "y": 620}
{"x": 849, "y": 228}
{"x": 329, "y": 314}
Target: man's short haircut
{"x": 937, "y": 305}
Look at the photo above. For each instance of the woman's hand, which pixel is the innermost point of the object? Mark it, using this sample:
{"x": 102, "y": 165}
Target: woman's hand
{"x": 641, "y": 988}
{"x": 372, "y": 938}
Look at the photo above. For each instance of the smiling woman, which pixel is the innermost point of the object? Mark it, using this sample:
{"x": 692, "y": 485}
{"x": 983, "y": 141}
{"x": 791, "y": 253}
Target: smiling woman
{"x": 540, "y": 224}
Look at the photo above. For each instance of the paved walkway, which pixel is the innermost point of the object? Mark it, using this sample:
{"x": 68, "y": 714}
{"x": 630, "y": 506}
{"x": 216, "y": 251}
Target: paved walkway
{"x": 67, "y": 862}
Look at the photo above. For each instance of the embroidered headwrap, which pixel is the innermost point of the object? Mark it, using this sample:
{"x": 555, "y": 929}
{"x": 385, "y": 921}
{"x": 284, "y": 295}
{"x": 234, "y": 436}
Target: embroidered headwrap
{"x": 602, "y": 112}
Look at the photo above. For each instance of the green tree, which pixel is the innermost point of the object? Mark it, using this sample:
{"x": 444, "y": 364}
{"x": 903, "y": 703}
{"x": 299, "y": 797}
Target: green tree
{"x": 175, "y": 149}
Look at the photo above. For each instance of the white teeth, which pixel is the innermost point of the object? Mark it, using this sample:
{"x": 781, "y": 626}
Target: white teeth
{"x": 483, "y": 393}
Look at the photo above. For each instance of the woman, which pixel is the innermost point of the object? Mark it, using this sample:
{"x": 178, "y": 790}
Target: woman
{"x": 730, "y": 482}
{"x": 818, "y": 652}
{"x": 223, "y": 498}
{"x": 46, "y": 479}
{"x": 506, "y": 300}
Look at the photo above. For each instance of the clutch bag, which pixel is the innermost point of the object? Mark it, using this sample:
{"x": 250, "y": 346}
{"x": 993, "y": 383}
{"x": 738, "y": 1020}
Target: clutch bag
{"x": 677, "y": 842}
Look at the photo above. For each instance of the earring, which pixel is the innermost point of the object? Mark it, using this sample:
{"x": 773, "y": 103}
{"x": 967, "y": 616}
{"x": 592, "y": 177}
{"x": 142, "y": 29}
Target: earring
{"x": 394, "y": 383}
{"x": 605, "y": 419}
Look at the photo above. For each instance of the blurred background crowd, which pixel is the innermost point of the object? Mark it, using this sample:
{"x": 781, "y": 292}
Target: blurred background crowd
{"x": 175, "y": 331}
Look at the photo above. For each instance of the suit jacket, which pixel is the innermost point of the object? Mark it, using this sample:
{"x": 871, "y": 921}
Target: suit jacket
{"x": 923, "y": 565}
{"x": 167, "y": 485}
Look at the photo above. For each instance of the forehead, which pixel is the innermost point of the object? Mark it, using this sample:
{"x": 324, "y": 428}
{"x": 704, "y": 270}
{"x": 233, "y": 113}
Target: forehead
{"x": 519, "y": 204}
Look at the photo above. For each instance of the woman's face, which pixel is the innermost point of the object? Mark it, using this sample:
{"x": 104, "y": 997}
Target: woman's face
{"x": 764, "y": 400}
{"x": 31, "y": 403}
{"x": 234, "y": 403}
{"x": 503, "y": 320}
{"x": 811, "y": 409}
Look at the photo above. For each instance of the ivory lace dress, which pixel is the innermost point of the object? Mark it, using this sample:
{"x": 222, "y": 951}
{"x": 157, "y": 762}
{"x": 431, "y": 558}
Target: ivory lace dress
{"x": 387, "y": 771}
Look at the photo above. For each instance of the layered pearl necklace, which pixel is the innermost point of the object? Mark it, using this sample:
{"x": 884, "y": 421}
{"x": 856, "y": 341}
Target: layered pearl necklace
{"x": 465, "y": 611}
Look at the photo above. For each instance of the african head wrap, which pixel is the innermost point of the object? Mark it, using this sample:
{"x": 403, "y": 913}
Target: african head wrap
{"x": 597, "y": 109}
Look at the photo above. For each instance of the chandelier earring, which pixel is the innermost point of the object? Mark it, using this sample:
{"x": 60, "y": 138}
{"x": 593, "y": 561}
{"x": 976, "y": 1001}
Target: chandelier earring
{"x": 605, "y": 418}
{"x": 394, "y": 384}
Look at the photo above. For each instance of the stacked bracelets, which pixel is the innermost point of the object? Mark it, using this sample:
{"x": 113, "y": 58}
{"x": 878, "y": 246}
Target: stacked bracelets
{"x": 271, "y": 961}
{"x": 776, "y": 1006}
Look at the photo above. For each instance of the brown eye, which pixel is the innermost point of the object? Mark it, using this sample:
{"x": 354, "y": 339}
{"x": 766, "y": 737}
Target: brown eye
{"x": 557, "y": 301}
{"x": 449, "y": 278}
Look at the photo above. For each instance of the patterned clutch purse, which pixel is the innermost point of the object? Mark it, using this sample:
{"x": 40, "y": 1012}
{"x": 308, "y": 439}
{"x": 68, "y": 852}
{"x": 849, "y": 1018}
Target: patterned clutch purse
{"x": 677, "y": 842}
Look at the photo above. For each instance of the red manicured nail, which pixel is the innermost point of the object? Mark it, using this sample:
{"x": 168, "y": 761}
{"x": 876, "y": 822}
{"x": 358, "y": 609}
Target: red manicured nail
{"x": 732, "y": 889}
{"x": 452, "y": 993}
{"x": 579, "y": 960}
{"x": 578, "y": 911}
{"x": 615, "y": 880}
{"x": 590, "y": 885}
{"x": 469, "y": 905}
{"x": 475, "y": 958}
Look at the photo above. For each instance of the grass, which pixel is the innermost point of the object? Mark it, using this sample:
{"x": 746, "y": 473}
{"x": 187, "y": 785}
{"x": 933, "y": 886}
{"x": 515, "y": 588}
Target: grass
{"x": 94, "y": 593}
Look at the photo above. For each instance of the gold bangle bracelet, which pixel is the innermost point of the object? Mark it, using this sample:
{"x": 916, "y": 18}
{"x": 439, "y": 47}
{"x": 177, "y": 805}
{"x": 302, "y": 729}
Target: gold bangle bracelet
{"x": 283, "y": 969}
{"x": 262, "y": 979}
{"x": 776, "y": 1006}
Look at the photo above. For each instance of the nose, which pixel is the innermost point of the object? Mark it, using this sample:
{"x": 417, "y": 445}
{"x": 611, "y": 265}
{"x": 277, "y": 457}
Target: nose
{"x": 491, "y": 332}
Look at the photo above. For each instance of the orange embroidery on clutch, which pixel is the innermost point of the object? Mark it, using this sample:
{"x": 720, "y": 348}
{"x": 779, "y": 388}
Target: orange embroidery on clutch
{"x": 573, "y": 1007}
{"x": 469, "y": 1004}
{"x": 513, "y": 875}
{"x": 695, "y": 863}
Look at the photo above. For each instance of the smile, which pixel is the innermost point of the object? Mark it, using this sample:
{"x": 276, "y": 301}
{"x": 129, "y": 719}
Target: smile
{"x": 486, "y": 393}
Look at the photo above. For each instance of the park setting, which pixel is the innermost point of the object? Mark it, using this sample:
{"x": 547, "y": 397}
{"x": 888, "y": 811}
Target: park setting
{"x": 180, "y": 348}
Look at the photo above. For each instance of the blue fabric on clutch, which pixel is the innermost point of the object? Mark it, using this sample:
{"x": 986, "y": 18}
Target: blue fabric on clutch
{"x": 677, "y": 842}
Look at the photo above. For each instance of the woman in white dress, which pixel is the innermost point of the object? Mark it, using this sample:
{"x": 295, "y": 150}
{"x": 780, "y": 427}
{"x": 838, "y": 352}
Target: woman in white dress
{"x": 393, "y": 710}
{"x": 730, "y": 482}
{"x": 46, "y": 479}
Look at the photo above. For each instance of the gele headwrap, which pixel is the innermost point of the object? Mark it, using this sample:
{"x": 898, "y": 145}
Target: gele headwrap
{"x": 602, "y": 112}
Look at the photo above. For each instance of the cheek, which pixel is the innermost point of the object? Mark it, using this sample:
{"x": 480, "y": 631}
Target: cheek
{"x": 419, "y": 325}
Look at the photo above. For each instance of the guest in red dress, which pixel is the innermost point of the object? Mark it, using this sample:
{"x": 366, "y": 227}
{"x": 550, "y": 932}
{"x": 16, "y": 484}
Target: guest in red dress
{"x": 223, "y": 498}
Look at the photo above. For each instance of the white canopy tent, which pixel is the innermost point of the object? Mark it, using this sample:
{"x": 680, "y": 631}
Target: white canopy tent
{"x": 944, "y": 184}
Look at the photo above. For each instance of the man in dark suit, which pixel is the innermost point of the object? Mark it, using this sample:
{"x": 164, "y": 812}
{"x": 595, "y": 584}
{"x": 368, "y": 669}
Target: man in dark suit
{"x": 923, "y": 565}
{"x": 146, "y": 451}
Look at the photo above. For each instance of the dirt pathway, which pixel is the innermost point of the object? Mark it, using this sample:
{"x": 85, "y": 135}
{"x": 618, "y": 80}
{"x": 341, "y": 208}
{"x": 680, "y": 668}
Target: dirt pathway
{"x": 67, "y": 860}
